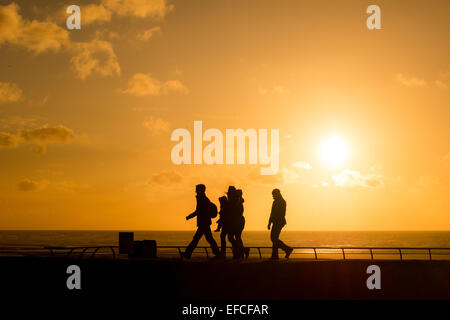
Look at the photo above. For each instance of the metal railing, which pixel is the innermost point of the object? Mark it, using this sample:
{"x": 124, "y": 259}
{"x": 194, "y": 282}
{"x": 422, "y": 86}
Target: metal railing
{"x": 343, "y": 253}
{"x": 401, "y": 251}
{"x": 82, "y": 249}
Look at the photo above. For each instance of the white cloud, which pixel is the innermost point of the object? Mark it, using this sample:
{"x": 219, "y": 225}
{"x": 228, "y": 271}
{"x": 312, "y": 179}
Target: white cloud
{"x": 350, "y": 178}
{"x": 446, "y": 159}
{"x": 166, "y": 178}
{"x": 277, "y": 89}
{"x": 284, "y": 176}
{"x": 302, "y": 165}
{"x": 441, "y": 84}
{"x": 410, "y": 81}
{"x": 424, "y": 182}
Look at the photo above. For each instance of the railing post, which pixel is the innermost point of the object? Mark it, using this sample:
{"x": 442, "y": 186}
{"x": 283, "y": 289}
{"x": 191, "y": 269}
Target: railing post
{"x": 343, "y": 253}
{"x": 400, "y": 251}
{"x": 82, "y": 252}
{"x": 70, "y": 252}
{"x": 95, "y": 251}
{"x": 371, "y": 254}
{"x": 315, "y": 253}
{"x": 429, "y": 252}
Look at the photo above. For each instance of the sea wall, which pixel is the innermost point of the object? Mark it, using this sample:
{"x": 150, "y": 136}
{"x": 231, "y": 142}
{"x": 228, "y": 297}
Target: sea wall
{"x": 249, "y": 280}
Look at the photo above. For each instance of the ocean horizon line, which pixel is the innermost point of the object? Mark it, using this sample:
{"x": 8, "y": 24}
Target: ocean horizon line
{"x": 190, "y": 230}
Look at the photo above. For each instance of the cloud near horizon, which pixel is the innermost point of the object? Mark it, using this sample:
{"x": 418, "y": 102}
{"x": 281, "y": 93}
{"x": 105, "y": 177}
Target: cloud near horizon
{"x": 29, "y": 185}
{"x": 410, "y": 81}
{"x": 441, "y": 85}
{"x": 166, "y": 178}
{"x": 142, "y": 84}
{"x": 446, "y": 159}
{"x": 351, "y": 178}
{"x": 302, "y": 165}
{"x": 283, "y": 176}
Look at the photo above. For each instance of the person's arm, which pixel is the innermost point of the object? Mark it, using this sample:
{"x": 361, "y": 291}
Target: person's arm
{"x": 271, "y": 217}
{"x": 193, "y": 214}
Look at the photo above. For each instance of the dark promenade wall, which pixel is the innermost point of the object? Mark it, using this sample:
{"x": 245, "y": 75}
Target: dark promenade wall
{"x": 249, "y": 280}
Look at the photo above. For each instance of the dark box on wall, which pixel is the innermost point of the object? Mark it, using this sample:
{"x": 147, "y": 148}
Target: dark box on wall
{"x": 143, "y": 249}
{"x": 126, "y": 242}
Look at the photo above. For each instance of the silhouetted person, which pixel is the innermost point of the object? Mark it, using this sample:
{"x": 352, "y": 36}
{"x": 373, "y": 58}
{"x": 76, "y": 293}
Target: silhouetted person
{"x": 222, "y": 213}
{"x": 240, "y": 224}
{"x": 278, "y": 221}
{"x": 203, "y": 214}
{"x": 224, "y": 225}
{"x": 236, "y": 222}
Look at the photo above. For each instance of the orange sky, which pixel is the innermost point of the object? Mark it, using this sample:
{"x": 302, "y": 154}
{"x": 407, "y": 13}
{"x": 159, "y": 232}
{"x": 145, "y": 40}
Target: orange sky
{"x": 86, "y": 115}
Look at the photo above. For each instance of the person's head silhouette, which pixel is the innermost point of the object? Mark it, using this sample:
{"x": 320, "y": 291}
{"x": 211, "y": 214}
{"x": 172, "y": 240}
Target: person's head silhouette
{"x": 223, "y": 200}
{"x": 231, "y": 192}
{"x": 200, "y": 189}
{"x": 276, "y": 194}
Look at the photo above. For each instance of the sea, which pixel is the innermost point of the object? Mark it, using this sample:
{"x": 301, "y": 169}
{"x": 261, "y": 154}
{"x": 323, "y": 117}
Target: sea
{"x": 425, "y": 239}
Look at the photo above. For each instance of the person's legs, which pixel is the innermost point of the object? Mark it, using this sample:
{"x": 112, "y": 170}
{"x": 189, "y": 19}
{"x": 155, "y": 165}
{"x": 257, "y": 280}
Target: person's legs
{"x": 277, "y": 243}
{"x": 239, "y": 245}
{"x": 209, "y": 237}
{"x": 234, "y": 244}
{"x": 274, "y": 234}
{"x": 223, "y": 242}
{"x": 283, "y": 246}
{"x": 190, "y": 248}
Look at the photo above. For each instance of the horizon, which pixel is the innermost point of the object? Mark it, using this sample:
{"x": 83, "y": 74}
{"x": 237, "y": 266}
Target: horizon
{"x": 190, "y": 230}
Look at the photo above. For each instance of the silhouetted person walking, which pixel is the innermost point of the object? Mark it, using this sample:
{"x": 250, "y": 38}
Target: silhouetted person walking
{"x": 223, "y": 225}
{"x": 278, "y": 221}
{"x": 240, "y": 225}
{"x": 204, "y": 212}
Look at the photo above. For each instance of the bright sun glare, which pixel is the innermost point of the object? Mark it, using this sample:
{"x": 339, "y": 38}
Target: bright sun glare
{"x": 333, "y": 151}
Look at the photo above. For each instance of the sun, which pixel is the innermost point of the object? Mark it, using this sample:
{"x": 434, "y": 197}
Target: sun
{"x": 333, "y": 151}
